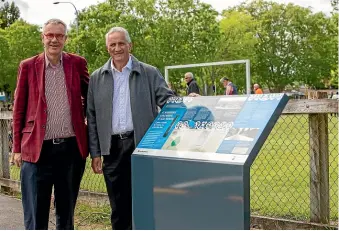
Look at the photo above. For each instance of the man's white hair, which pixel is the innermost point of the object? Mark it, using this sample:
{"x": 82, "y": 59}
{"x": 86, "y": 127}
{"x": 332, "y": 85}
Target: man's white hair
{"x": 190, "y": 74}
{"x": 119, "y": 29}
{"x": 55, "y": 21}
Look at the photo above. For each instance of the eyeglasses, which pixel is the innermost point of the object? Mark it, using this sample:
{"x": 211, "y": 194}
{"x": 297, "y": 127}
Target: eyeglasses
{"x": 51, "y": 36}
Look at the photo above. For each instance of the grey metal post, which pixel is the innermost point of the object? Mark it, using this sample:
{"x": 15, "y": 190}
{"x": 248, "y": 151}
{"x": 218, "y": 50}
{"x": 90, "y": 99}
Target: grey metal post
{"x": 76, "y": 21}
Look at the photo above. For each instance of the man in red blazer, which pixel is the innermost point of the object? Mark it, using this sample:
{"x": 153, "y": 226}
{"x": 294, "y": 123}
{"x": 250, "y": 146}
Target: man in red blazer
{"x": 50, "y": 134}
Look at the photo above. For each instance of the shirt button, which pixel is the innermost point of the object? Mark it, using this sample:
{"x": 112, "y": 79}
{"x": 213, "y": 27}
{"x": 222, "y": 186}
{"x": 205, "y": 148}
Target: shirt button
{"x": 45, "y": 110}
{"x": 43, "y": 126}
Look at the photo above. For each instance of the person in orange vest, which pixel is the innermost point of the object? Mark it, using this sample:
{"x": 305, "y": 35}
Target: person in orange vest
{"x": 257, "y": 89}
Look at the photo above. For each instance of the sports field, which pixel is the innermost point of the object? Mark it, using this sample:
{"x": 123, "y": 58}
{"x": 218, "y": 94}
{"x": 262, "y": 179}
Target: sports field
{"x": 280, "y": 175}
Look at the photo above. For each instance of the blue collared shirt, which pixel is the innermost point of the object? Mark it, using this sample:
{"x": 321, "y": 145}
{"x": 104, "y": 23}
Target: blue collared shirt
{"x": 122, "y": 114}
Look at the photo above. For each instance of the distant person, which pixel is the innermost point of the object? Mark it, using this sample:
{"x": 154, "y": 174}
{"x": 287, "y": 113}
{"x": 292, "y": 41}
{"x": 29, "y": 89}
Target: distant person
{"x": 257, "y": 89}
{"x": 230, "y": 88}
{"x": 192, "y": 86}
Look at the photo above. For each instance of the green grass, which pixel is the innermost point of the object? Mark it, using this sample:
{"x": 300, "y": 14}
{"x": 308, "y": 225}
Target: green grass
{"x": 91, "y": 181}
{"x": 280, "y": 175}
{"x": 92, "y": 216}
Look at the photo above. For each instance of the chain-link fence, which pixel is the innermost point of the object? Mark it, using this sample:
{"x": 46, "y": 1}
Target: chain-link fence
{"x": 5, "y": 147}
{"x": 282, "y": 174}
{"x": 295, "y": 175}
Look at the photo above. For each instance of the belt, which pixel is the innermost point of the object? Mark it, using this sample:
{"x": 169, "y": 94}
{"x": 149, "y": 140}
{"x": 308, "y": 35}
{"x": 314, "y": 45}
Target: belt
{"x": 123, "y": 136}
{"x": 60, "y": 140}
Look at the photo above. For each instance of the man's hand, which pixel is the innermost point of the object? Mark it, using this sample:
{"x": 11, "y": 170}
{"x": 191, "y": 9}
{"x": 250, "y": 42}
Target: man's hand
{"x": 17, "y": 159}
{"x": 97, "y": 165}
{"x": 193, "y": 94}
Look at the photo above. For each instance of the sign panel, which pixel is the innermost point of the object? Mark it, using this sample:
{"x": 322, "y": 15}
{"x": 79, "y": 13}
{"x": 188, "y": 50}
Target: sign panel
{"x": 213, "y": 128}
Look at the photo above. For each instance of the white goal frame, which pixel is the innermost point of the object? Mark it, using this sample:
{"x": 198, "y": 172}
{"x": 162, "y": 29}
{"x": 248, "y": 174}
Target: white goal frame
{"x": 245, "y": 61}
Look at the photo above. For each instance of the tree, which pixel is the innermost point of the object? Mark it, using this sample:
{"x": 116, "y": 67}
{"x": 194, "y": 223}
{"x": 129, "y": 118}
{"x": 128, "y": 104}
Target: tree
{"x": 334, "y": 4}
{"x": 333, "y": 81}
{"x": 9, "y": 13}
{"x": 290, "y": 44}
{"x": 4, "y": 55}
{"x": 185, "y": 32}
{"x": 13, "y": 38}
{"x": 238, "y": 41}
{"x": 320, "y": 51}
{"x": 163, "y": 32}
{"x": 94, "y": 23}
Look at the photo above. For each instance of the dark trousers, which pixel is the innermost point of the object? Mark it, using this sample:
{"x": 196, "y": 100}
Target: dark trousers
{"x": 61, "y": 166}
{"x": 117, "y": 174}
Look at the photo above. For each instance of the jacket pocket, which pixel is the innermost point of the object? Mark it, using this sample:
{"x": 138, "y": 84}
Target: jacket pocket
{"x": 27, "y": 129}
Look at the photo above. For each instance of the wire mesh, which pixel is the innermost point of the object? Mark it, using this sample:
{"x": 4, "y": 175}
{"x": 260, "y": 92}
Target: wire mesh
{"x": 280, "y": 175}
{"x": 5, "y": 143}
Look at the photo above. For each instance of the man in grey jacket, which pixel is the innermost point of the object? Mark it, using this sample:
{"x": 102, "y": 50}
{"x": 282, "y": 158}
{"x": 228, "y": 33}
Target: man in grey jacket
{"x": 123, "y": 99}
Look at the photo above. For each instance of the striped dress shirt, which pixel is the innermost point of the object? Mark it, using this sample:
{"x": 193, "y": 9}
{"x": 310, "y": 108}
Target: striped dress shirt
{"x": 59, "y": 120}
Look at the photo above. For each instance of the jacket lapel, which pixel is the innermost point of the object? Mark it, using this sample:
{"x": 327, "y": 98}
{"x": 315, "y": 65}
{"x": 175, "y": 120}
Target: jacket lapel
{"x": 105, "y": 90}
{"x": 40, "y": 73}
{"x": 67, "y": 64}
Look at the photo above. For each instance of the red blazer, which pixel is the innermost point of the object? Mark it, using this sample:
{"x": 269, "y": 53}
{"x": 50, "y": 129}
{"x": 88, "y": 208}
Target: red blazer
{"x": 30, "y": 108}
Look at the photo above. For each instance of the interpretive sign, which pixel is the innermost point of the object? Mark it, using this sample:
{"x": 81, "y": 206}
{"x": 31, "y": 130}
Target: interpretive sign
{"x": 210, "y": 128}
{"x": 201, "y": 148}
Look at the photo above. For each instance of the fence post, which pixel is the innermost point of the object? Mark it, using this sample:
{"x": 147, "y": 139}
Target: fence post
{"x": 4, "y": 152}
{"x": 319, "y": 172}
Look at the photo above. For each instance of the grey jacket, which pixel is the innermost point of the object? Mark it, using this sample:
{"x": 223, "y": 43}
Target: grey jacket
{"x": 148, "y": 90}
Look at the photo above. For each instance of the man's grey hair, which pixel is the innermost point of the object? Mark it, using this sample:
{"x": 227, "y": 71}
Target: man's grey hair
{"x": 55, "y": 21}
{"x": 190, "y": 74}
{"x": 224, "y": 79}
{"x": 119, "y": 29}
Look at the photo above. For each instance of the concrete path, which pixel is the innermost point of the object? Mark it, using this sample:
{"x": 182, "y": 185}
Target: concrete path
{"x": 11, "y": 215}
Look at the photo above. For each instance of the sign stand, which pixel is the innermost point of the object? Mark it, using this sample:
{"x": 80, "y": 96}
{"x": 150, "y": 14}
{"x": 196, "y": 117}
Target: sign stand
{"x": 191, "y": 170}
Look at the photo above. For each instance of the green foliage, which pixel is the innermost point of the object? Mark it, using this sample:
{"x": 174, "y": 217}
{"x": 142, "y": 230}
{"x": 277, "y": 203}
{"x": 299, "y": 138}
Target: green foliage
{"x": 9, "y": 13}
{"x": 4, "y": 55}
{"x": 163, "y": 32}
{"x": 334, "y": 4}
{"x": 13, "y": 51}
{"x": 284, "y": 42}
{"x": 238, "y": 39}
{"x": 293, "y": 44}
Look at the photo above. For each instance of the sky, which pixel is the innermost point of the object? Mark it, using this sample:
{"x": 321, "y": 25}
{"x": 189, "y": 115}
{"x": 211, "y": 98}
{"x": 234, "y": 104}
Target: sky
{"x": 39, "y": 11}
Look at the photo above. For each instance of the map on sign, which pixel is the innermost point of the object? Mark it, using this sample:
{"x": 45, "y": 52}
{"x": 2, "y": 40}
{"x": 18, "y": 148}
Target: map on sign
{"x": 216, "y": 128}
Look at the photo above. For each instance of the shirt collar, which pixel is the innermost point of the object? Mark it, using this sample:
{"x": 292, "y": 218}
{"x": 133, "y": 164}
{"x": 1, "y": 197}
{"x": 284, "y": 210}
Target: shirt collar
{"x": 47, "y": 62}
{"x": 128, "y": 65}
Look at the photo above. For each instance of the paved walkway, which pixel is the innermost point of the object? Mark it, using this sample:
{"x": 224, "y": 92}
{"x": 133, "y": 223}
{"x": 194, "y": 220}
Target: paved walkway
{"x": 11, "y": 215}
